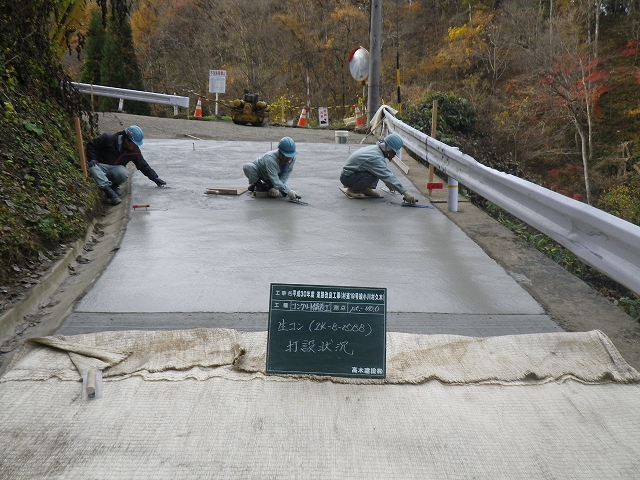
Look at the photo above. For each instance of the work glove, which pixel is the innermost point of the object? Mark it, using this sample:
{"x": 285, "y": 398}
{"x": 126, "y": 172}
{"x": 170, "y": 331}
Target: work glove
{"x": 274, "y": 192}
{"x": 408, "y": 197}
{"x": 92, "y": 163}
{"x": 159, "y": 182}
{"x": 292, "y": 195}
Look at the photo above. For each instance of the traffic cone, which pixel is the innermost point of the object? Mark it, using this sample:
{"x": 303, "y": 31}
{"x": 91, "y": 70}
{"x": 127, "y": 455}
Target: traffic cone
{"x": 359, "y": 119}
{"x": 198, "y": 113}
{"x": 303, "y": 118}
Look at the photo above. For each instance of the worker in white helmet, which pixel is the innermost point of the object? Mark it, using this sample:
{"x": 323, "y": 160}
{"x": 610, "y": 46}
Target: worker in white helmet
{"x": 368, "y": 165}
{"x": 271, "y": 171}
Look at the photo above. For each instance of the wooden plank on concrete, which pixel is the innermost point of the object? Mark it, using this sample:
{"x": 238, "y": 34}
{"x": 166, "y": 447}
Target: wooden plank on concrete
{"x": 225, "y": 191}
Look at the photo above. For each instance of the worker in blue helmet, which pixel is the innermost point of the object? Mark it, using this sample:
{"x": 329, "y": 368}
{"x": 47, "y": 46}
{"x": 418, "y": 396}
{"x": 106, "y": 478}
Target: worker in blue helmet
{"x": 108, "y": 156}
{"x": 270, "y": 172}
{"x": 368, "y": 165}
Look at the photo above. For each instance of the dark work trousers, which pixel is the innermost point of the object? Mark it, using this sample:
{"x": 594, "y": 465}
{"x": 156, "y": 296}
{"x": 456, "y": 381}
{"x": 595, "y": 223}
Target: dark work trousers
{"x": 359, "y": 181}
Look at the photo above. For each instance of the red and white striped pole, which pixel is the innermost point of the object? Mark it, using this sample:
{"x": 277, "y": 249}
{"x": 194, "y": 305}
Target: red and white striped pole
{"x": 308, "y": 92}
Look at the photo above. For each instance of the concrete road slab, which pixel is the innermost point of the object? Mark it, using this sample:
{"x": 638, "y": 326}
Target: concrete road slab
{"x": 194, "y": 252}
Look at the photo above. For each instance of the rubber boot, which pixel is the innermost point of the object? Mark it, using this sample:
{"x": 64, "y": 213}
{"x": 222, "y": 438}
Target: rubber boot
{"x": 351, "y": 194}
{"x": 111, "y": 195}
{"x": 370, "y": 192}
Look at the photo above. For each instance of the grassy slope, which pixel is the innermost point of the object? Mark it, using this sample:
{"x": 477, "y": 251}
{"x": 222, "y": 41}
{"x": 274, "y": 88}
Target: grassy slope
{"x": 45, "y": 200}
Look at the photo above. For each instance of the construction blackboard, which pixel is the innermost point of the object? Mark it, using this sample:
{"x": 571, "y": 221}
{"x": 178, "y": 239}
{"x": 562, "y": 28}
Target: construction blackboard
{"x": 327, "y": 330}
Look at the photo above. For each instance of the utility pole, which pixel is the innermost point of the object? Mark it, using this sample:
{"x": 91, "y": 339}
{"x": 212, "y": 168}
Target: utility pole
{"x": 373, "y": 102}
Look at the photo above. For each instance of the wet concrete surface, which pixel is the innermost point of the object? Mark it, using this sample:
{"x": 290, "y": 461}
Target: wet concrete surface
{"x": 194, "y": 259}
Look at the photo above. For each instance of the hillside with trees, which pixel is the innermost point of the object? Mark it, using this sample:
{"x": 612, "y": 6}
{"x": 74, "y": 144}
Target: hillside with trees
{"x": 545, "y": 90}
{"x": 554, "y": 85}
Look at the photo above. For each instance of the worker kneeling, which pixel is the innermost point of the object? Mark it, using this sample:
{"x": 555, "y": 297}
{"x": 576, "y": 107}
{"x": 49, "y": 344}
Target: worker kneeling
{"x": 367, "y": 165}
{"x": 108, "y": 156}
{"x": 271, "y": 171}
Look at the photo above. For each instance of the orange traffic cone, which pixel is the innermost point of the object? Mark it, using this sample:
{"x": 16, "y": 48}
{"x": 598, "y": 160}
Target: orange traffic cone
{"x": 359, "y": 119}
{"x": 198, "y": 113}
{"x": 303, "y": 118}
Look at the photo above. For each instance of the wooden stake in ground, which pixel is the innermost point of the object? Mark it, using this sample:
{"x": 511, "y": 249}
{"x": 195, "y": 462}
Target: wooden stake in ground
{"x": 434, "y": 134}
{"x": 83, "y": 159}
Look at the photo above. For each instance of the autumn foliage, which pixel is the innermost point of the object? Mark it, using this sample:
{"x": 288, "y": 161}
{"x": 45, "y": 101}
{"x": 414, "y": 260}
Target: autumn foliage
{"x": 552, "y": 84}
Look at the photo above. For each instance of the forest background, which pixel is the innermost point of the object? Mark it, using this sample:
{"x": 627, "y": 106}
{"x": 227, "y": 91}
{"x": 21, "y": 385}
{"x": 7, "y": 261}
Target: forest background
{"x": 546, "y": 90}
{"x": 552, "y": 86}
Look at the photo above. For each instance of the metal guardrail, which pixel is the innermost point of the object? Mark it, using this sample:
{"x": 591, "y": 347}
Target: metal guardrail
{"x": 126, "y": 94}
{"x": 607, "y": 243}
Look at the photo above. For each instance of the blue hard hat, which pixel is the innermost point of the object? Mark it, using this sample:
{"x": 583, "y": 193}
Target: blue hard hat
{"x": 134, "y": 133}
{"x": 287, "y": 147}
{"x": 394, "y": 142}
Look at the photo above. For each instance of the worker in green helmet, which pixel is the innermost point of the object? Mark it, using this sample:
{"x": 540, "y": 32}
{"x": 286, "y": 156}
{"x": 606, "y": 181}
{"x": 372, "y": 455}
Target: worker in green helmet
{"x": 368, "y": 165}
{"x": 271, "y": 171}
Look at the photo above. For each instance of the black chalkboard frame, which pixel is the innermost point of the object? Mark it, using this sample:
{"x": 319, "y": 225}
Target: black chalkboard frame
{"x": 327, "y": 330}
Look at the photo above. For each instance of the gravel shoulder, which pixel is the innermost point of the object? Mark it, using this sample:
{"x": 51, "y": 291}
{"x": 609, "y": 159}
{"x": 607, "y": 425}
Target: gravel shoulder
{"x": 169, "y": 128}
{"x": 568, "y": 300}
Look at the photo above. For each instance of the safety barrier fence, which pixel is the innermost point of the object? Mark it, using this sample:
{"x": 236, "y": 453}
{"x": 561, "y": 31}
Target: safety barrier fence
{"x": 607, "y": 243}
{"x": 229, "y": 103}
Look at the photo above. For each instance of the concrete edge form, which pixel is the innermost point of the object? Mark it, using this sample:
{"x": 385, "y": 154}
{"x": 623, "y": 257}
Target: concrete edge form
{"x": 471, "y": 325}
{"x": 46, "y": 306}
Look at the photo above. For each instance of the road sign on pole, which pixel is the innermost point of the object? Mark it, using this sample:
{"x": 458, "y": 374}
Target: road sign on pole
{"x": 217, "y": 84}
{"x": 217, "y": 81}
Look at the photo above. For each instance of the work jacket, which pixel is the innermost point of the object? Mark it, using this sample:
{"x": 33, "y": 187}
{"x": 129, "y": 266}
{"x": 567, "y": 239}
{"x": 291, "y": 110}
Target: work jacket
{"x": 268, "y": 167}
{"x": 109, "y": 149}
{"x": 370, "y": 159}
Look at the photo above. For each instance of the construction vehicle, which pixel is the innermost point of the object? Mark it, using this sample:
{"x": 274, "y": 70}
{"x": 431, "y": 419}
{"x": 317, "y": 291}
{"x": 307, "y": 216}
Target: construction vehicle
{"x": 250, "y": 110}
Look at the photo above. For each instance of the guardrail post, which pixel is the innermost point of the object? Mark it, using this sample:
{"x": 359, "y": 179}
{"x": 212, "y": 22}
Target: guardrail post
{"x": 121, "y": 105}
{"x": 452, "y": 183}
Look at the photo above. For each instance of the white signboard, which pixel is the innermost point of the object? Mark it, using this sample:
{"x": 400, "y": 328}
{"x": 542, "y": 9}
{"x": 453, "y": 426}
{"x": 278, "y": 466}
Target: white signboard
{"x": 323, "y": 116}
{"x": 217, "y": 81}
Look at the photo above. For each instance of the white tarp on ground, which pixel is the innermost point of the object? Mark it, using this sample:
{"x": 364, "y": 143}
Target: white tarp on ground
{"x": 197, "y": 404}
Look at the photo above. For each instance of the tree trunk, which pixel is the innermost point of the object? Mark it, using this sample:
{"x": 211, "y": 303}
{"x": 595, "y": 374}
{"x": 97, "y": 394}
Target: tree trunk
{"x": 584, "y": 150}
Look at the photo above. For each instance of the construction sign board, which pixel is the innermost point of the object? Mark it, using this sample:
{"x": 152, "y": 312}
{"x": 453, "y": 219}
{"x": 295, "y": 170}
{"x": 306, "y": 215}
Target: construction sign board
{"x": 327, "y": 330}
{"x": 217, "y": 81}
{"x": 323, "y": 116}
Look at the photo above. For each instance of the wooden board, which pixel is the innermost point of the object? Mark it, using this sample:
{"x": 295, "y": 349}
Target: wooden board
{"x": 260, "y": 194}
{"x": 226, "y": 191}
{"x": 400, "y": 164}
{"x": 344, "y": 190}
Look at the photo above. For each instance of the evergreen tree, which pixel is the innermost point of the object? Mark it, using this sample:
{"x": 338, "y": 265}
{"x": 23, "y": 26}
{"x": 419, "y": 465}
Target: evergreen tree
{"x": 119, "y": 66}
{"x": 90, "y": 71}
